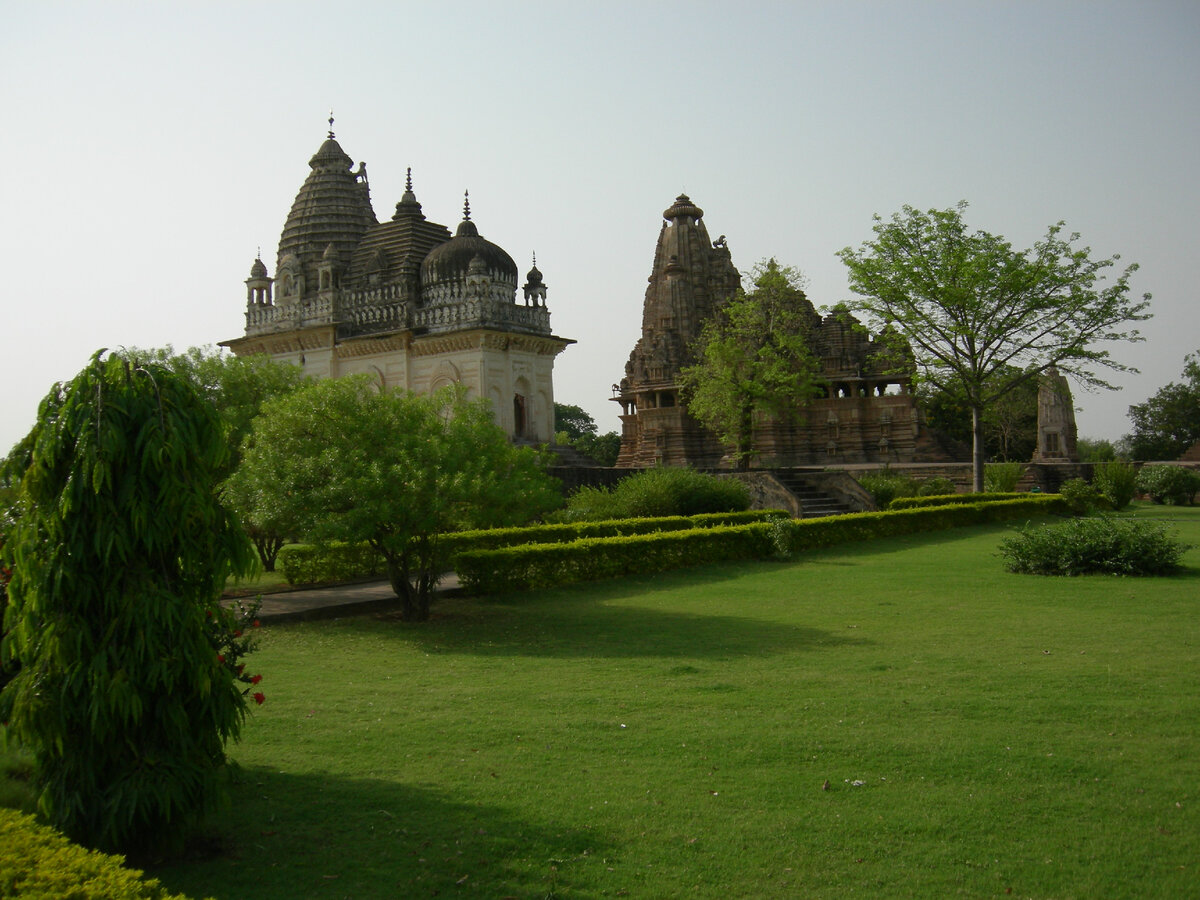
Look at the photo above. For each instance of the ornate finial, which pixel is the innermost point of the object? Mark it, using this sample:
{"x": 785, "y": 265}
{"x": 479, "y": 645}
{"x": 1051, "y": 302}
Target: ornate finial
{"x": 408, "y": 180}
{"x": 331, "y": 124}
{"x": 466, "y": 206}
{"x": 535, "y": 259}
{"x": 258, "y": 255}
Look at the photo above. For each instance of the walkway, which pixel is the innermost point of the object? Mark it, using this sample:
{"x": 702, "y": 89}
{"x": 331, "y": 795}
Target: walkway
{"x": 337, "y": 600}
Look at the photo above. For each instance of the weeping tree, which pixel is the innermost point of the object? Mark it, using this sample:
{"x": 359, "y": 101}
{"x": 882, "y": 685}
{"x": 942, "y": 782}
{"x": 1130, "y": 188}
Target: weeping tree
{"x": 128, "y": 687}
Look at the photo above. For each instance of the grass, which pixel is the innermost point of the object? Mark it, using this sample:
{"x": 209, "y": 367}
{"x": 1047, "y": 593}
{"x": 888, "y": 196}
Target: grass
{"x": 902, "y": 718}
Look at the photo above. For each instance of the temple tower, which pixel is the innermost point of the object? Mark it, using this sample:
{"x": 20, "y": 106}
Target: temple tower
{"x": 691, "y": 277}
{"x": 1056, "y": 438}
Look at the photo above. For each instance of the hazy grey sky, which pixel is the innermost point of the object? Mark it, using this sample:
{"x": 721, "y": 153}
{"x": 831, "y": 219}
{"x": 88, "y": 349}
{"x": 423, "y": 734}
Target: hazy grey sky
{"x": 150, "y": 149}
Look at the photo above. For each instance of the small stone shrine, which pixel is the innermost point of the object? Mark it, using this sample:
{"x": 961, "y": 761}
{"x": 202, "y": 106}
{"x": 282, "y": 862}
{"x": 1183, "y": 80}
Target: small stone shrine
{"x": 867, "y": 415}
{"x": 1056, "y": 437}
{"x": 403, "y": 300}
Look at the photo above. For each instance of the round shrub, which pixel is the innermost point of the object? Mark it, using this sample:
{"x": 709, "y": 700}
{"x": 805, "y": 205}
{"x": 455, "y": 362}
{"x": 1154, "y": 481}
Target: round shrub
{"x": 936, "y": 487}
{"x": 1104, "y": 545}
{"x": 1081, "y": 497}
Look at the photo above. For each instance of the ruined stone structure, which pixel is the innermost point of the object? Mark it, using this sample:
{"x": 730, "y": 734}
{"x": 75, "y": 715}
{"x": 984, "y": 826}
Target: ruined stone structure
{"x": 867, "y": 413}
{"x": 1056, "y": 438}
{"x": 402, "y": 300}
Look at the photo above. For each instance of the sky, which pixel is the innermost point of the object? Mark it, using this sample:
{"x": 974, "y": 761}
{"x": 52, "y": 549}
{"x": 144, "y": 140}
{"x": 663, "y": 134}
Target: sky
{"x": 151, "y": 149}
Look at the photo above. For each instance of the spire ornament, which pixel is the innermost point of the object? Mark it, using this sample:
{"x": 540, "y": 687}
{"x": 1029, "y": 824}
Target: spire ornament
{"x": 466, "y": 206}
{"x": 331, "y": 124}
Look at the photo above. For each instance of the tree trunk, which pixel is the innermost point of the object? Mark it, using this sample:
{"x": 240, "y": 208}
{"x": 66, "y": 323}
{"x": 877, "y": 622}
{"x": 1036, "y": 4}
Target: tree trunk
{"x": 977, "y": 452}
{"x": 413, "y": 608}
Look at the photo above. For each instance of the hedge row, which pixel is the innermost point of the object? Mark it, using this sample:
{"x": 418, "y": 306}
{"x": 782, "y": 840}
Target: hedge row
{"x": 343, "y": 562}
{"x": 306, "y": 564}
{"x": 38, "y": 863}
{"x": 951, "y": 500}
{"x": 533, "y": 566}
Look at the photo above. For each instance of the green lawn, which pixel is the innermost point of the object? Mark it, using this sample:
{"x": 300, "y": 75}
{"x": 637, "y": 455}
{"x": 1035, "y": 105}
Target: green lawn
{"x": 980, "y": 733}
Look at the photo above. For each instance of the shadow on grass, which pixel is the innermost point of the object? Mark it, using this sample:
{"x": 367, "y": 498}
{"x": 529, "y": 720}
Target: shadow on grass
{"x": 610, "y": 620}
{"x": 320, "y": 835}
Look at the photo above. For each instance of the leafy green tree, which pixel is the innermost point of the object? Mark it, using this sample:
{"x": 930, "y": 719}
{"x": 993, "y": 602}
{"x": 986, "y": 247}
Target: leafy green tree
{"x": 973, "y": 308}
{"x": 119, "y": 555}
{"x": 603, "y": 448}
{"x": 238, "y": 386}
{"x": 1095, "y": 450}
{"x": 753, "y": 360}
{"x": 1167, "y": 424}
{"x": 574, "y": 421}
{"x": 348, "y": 462}
{"x": 1009, "y": 424}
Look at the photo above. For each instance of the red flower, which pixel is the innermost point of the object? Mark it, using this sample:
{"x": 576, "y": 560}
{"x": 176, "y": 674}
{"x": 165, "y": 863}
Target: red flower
{"x": 259, "y": 697}
{"x": 237, "y": 633}
{"x": 256, "y": 679}
{"x": 240, "y": 668}
{"x": 257, "y": 624}
{"x": 220, "y": 657}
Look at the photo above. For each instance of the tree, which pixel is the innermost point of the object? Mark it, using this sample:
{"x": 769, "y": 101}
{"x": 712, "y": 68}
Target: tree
{"x": 574, "y": 421}
{"x": 753, "y": 360}
{"x": 1009, "y": 424}
{"x": 238, "y": 386}
{"x": 974, "y": 308}
{"x": 119, "y": 553}
{"x": 348, "y": 462}
{"x": 1167, "y": 424}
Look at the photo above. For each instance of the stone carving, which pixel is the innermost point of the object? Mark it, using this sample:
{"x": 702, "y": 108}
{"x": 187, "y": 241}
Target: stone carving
{"x": 1057, "y": 436}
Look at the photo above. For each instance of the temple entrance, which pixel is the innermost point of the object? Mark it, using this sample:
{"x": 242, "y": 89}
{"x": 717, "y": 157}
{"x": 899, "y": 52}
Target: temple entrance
{"x": 520, "y": 421}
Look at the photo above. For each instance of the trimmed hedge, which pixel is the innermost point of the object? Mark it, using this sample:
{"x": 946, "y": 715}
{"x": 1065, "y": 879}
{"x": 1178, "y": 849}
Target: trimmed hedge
{"x": 38, "y": 863}
{"x": 343, "y": 562}
{"x": 534, "y": 566}
{"x": 307, "y": 564}
{"x": 951, "y": 500}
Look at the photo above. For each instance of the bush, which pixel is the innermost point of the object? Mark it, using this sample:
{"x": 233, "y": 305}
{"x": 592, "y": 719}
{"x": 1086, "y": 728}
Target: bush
{"x": 885, "y": 486}
{"x": 658, "y": 492}
{"x": 1116, "y": 480}
{"x": 1081, "y": 497}
{"x": 1174, "y": 485}
{"x": 936, "y": 487}
{"x": 1103, "y": 546}
{"x": 38, "y": 863}
{"x": 336, "y": 561}
{"x": 1002, "y": 478}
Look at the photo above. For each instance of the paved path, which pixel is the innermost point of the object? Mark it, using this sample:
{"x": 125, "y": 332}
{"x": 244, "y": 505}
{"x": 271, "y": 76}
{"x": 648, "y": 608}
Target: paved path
{"x": 338, "y": 600}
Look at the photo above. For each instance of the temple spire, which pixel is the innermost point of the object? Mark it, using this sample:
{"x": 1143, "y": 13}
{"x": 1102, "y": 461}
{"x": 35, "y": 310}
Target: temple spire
{"x": 466, "y": 206}
{"x": 331, "y": 124}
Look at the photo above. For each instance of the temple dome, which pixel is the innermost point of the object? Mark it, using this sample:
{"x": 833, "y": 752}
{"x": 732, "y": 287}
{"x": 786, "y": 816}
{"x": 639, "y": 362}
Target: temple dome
{"x": 683, "y": 207}
{"x": 452, "y": 261}
{"x": 332, "y": 207}
{"x": 258, "y": 269}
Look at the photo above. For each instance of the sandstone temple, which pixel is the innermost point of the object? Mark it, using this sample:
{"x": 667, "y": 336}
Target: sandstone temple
{"x": 403, "y": 300}
{"x": 867, "y": 414}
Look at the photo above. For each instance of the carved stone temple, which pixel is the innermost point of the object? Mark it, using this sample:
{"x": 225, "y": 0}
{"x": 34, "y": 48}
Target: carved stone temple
{"x": 867, "y": 413}
{"x": 403, "y": 300}
{"x": 1056, "y": 434}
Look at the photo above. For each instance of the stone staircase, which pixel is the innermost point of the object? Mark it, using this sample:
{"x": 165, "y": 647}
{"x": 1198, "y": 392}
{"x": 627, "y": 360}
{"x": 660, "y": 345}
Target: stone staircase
{"x": 814, "y": 503}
